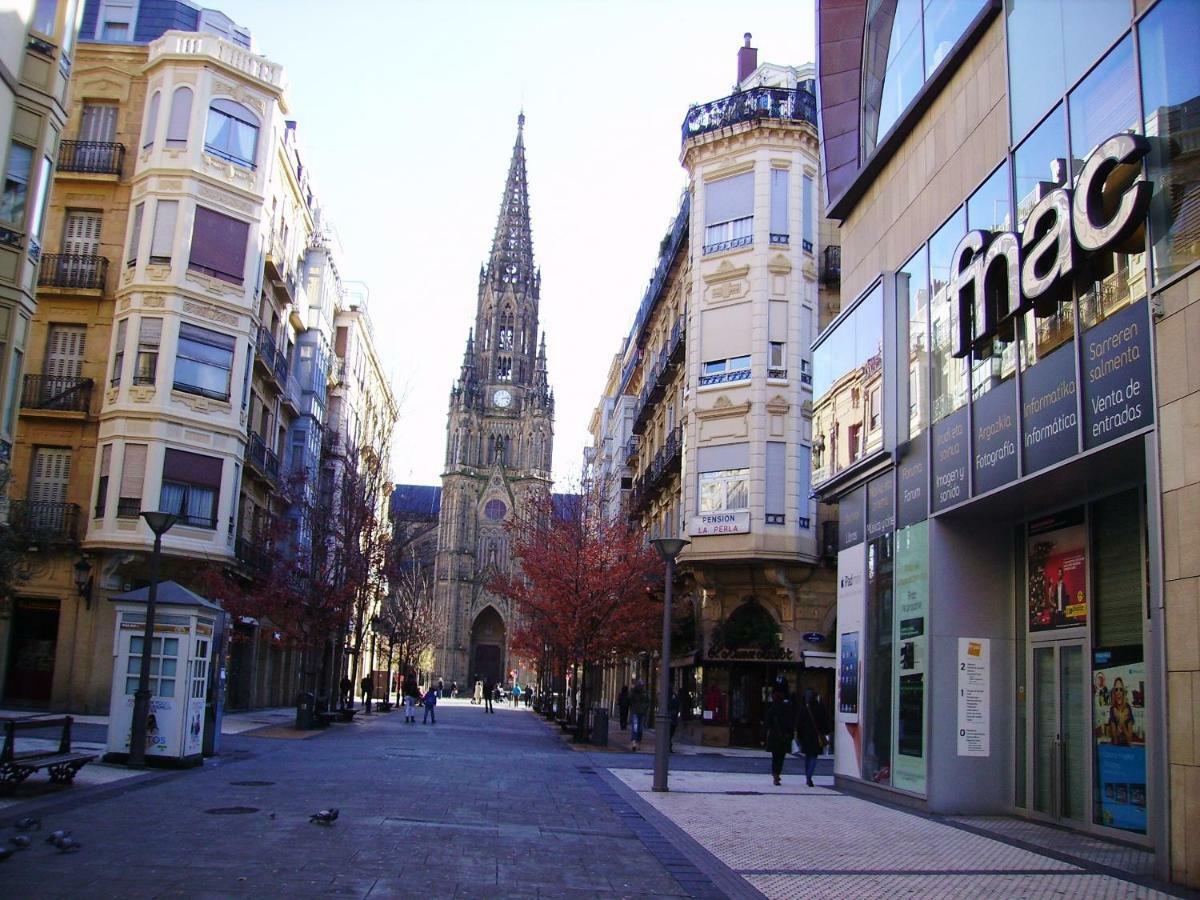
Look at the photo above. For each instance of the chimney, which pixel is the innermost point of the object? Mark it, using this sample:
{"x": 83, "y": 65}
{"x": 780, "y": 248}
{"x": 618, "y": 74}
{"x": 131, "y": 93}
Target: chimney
{"x": 747, "y": 60}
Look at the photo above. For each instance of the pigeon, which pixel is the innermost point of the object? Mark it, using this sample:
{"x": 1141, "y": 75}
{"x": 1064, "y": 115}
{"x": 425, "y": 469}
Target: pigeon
{"x": 29, "y": 823}
{"x": 21, "y": 842}
{"x": 67, "y": 844}
{"x": 5, "y": 853}
{"x": 57, "y": 836}
{"x": 324, "y": 817}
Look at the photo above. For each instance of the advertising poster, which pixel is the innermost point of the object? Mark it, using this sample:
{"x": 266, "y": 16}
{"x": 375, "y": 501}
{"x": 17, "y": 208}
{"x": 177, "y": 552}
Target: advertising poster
{"x": 974, "y": 697}
{"x": 910, "y": 661}
{"x": 1117, "y": 376}
{"x": 851, "y": 600}
{"x": 1058, "y": 571}
{"x": 848, "y": 676}
{"x": 1119, "y": 726}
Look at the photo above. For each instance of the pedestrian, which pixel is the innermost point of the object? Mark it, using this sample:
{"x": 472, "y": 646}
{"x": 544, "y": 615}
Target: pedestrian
{"x": 623, "y": 706}
{"x": 780, "y": 722}
{"x": 431, "y": 699}
{"x": 812, "y": 725}
{"x": 639, "y": 705}
{"x": 516, "y": 694}
{"x": 489, "y": 692}
{"x": 528, "y": 695}
{"x": 365, "y": 684}
{"x": 453, "y": 690}
{"x": 411, "y": 696}
{"x": 347, "y": 691}
{"x": 440, "y": 688}
{"x": 673, "y": 709}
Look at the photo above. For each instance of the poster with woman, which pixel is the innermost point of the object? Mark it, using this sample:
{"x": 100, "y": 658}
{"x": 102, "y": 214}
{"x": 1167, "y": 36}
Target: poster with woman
{"x": 1057, "y": 571}
{"x": 1119, "y": 727}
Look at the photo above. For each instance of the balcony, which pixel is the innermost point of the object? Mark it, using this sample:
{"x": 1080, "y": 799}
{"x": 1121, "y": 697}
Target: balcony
{"x": 831, "y": 264}
{"x": 262, "y": 459}
{"x": 746, "y": 106}
{"x": 73, "y": 270}
{"x": 57, "y": 393}
{"x": 272, "y": 358}
{"x": 91, "y": 157}
{"x": 253, "y": 554}
{"x": 187, "y": 45}
{"x": 44, "y": 522}
{"x": 631, "y": 448}
{"x": 667, "y": 460}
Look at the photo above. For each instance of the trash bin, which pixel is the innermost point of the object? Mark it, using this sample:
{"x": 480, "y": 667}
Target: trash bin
{"x": 600, "y": 726}
{"x": 306, "y": 702}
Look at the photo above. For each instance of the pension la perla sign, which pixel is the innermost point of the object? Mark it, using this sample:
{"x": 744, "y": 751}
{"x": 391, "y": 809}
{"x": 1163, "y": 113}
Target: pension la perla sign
{"x": 997, "y": 276}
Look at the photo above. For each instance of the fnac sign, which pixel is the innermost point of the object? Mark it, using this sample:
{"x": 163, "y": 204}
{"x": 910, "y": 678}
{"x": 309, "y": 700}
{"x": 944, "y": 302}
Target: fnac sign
{"x": 997, "y": 276}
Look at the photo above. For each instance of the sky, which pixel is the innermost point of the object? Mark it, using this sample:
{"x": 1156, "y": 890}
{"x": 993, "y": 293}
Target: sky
{"x": 407, "y": 113}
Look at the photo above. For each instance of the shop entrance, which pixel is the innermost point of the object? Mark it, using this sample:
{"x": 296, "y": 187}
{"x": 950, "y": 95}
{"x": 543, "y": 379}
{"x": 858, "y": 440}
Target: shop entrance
{"x": 1061, "y": 737}
{"x": 31, "y": 653}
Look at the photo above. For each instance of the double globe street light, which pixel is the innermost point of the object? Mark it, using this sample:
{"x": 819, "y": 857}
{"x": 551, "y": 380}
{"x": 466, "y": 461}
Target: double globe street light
{"x": 160, "y": 523}
{"x": 668, "y": 549}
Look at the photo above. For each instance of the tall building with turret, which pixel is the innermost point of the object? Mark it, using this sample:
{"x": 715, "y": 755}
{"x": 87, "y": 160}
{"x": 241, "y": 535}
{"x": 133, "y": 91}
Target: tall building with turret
{"x": 499, "y": 444}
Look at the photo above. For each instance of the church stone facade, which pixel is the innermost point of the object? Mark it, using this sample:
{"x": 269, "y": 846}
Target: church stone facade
{"x": 499, "y": 446}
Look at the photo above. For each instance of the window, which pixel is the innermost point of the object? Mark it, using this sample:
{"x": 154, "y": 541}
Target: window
{"x": 39, "y": 204}
{"x": 181, "y": 115}
{"x": 721, "y": 371}
{"x": 724, "y": 489}
{"x": 912, "y": 296}
{"x": 145, "y": 369}
{"x": 135, "y": 235}
{"x": 505, "y": 341}
{"x": 779, "y": 206}
{"x": 165, "y": 213}
{"x": 232, "y": 132}
{"x": 776, "y": 360}
{"x": 504, "y": 368}
{"x": 219, "y": 245}
{"x": 118, "y": 354}
{"x": 44, "y": 15}
{"x": 151, "y": 120}
{"x": 16, "y": 183}
{"x": 102, "y": 482}
{"x": 203, "y": 362}
{"x": 729, "y": 213}
{"x": 133, "y": 474}
{"x": 807, "y": 222}
{"x": 949, "y": 375}
{"x": 776, "y": 499}
{"x": 164, "y": 662}
{"x": 191, "y": 484}
{"x": 988, "y": 209}
{"x": 874, "y": 401}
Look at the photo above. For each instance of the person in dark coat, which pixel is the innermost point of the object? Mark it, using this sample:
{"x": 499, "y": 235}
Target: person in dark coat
{"x": 673, "y": 709}
{"x": 812, "y": 725}
{"x": 639, "y": 705}
{"x": 780, "y": 725}
{"x": 365, "y": 684}
{"x": 623, "y": 706}
{"x": 489, "y": 692}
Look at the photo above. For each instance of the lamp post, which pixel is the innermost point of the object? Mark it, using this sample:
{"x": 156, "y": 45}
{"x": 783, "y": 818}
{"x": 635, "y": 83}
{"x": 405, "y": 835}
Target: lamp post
{"x": 160, "y": 523}
{"x": 668, "y": 549}
{"x": 83, "y": 580}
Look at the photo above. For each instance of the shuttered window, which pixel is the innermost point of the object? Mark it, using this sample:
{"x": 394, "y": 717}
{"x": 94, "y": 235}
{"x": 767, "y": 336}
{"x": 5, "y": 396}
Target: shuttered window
{"x": 181, "y": 115}
{"x": 133, "y": 475}
{"x": 81, "y": 233}
{"x": 99, "y": 123}
{"x": 51, "y": 473}
{"x": 219, "y": 245}
{"x": 145, "y": 369}
{"x": 64, "y": 351}
{"x": 779, "y": 206}
{"x": 191, "y": 485}
{"x": 135, "y": 235}
{"x": 776, "y": 482}
{"x": 152, "y": 120}
{"x": 165, "y": 213}
{"x": 102, "y": 483}
{"x": 119, "y": 353}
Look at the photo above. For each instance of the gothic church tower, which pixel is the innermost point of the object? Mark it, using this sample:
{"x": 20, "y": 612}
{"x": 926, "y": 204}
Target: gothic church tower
{"x": 499, "y": 444}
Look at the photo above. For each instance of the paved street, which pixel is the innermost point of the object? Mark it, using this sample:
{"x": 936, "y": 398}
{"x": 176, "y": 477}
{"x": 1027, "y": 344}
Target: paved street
{"x": 502, "y": 806}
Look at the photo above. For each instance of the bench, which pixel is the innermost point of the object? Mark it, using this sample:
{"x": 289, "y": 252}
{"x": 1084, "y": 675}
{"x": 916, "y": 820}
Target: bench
{"x": 347, "y": 714}
{"x": 16, "y": 766}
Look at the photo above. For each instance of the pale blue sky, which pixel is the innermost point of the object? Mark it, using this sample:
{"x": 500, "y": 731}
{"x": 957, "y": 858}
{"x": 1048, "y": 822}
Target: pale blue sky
{"x": 407, "y": 113}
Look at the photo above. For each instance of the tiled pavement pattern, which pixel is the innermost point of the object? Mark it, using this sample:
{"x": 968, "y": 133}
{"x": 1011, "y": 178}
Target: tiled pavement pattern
{"x": 795, "y": 841}
{"x": 476, "y": 806}
{"x": 1034, "y": 834}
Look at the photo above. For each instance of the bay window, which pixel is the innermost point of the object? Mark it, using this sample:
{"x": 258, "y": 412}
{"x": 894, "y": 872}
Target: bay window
{"x": 191, "y": 486}
{"x": 203, "y": 362}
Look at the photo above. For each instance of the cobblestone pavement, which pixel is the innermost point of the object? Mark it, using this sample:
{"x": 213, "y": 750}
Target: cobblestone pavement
{"x": 793, "y": 841}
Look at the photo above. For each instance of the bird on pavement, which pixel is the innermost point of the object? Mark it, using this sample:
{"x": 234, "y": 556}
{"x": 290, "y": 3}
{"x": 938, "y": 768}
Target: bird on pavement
{"x": 29, "y": 823}
{"x": 67, "y": 844}
{"x": 324, "y": 817}
{"x": 57, "y": 836}
{"x": 21, "y": 842}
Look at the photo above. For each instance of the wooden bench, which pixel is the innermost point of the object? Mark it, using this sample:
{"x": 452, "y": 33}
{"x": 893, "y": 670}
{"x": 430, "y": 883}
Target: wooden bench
{"x": 62, "y": 764}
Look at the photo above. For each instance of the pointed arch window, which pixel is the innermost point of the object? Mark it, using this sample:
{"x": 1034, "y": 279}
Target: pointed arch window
{"x": 504, "y": 368}
{"x": 505, "y": 338}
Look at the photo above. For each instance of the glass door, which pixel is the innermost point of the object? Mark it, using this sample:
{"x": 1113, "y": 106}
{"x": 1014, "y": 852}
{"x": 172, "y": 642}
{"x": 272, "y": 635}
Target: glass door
{"x": 1060, "y": 734}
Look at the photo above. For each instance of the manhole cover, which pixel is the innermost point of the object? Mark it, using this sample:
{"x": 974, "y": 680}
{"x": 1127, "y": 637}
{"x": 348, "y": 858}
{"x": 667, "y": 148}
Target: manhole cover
{"x": 744, "y": 793}
{"x": 232, "y": 810}
{"x": 251, "y": 783}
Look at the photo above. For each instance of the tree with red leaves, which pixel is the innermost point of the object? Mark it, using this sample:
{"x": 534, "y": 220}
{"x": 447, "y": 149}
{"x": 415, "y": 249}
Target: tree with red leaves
{"x": 581, "y": 590}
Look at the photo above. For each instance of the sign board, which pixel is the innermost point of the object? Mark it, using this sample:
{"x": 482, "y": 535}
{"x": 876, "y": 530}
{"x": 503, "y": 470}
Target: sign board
{"x": 813, "y": 637}
{"x": 720, "y": 523}
{"x": 974, "y": 697}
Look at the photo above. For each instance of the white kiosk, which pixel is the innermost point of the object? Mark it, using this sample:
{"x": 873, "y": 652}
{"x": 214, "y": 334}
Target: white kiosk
{"x": 181, "y": 652}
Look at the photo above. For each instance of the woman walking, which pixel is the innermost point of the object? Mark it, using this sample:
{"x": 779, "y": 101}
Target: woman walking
{"x": 639, "y": 705}
{"x": 780, "y": 722}
{"x": 811, "y": 728}
{"x": 623, "y": 706}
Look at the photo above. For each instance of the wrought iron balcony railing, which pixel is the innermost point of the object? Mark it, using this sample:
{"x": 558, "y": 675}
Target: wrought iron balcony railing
{"x": 44, "y": 522}
{"x": 756, "y": 103}
{"x": 73, "y": 270}
{"x": 54, "y": 392}
{"x": 272, "y": 357}
{"x": 631, "y": 447}
{"x": 253, "y": 554}
{"x": 91, "y": 157}
{"x": 262, "y": 457}
{"x": 831, "y": 264}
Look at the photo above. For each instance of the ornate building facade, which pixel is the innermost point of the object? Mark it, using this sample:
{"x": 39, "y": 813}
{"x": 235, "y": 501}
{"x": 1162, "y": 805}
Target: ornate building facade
{"x": 499, "y": 444}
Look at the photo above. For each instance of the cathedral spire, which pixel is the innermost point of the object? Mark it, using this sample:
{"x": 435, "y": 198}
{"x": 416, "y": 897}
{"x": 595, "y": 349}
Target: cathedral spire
{"x": 511, "y": 260}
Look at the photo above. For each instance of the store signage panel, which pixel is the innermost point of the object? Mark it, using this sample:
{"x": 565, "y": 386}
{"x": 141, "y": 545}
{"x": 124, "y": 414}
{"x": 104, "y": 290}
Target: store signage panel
{"x": 950, "y": 460}
{"x": 994, "y": 453}
{"x": 880, "y": 518}
{"x": 1049, "y": 416}
{"x": 707, "y": 524}
{"x": 910, "y": 662}
{"x": 974, "y": 697}
{"x": 850, "y": 519}
{"x": 912, "y": 482}
{"x": 1117, "y": 398}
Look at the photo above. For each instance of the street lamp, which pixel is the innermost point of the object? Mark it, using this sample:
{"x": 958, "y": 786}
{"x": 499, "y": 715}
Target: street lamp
{"x": 83, "y": 580}
{"x": 160, "y": 523}
{"x": 668, "y": 549}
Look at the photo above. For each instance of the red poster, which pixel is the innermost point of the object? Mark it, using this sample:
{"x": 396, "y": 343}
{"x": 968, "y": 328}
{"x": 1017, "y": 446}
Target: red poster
{"x": 1057, "y": 549}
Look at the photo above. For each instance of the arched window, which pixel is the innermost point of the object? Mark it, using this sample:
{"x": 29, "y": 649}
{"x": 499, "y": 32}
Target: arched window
{"x": 506, "y": 330}
{"x": 232, "y": 132}
{"x": 504, "y": 368}
{"x": 151, "y": 120}
{"x": 181, "y": 115}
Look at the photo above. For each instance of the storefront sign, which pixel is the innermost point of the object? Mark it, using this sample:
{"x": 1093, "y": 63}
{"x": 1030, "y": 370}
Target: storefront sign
{"x": 813, "y": 637}
{"x": 880, "y": 518}
{"x": 848, "y": 676}
{"x": 850, "y": 519}
{"x": 912, "y": 485}
{"x": 748, "y": 653}
{"x": 974, "y": 697}
{"x": 950, "y": 460}
{"x": 1117, "y": 376}
{"x": 1119, "y": 720}
{"x": 911, "y": 659}
{"x": 720, "y": 523}
{"x": 995, "y": 446}
{"x": 1049, "y": 418}
{"x": 1057, "y": 569}
{"x": 997, "y": 277}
